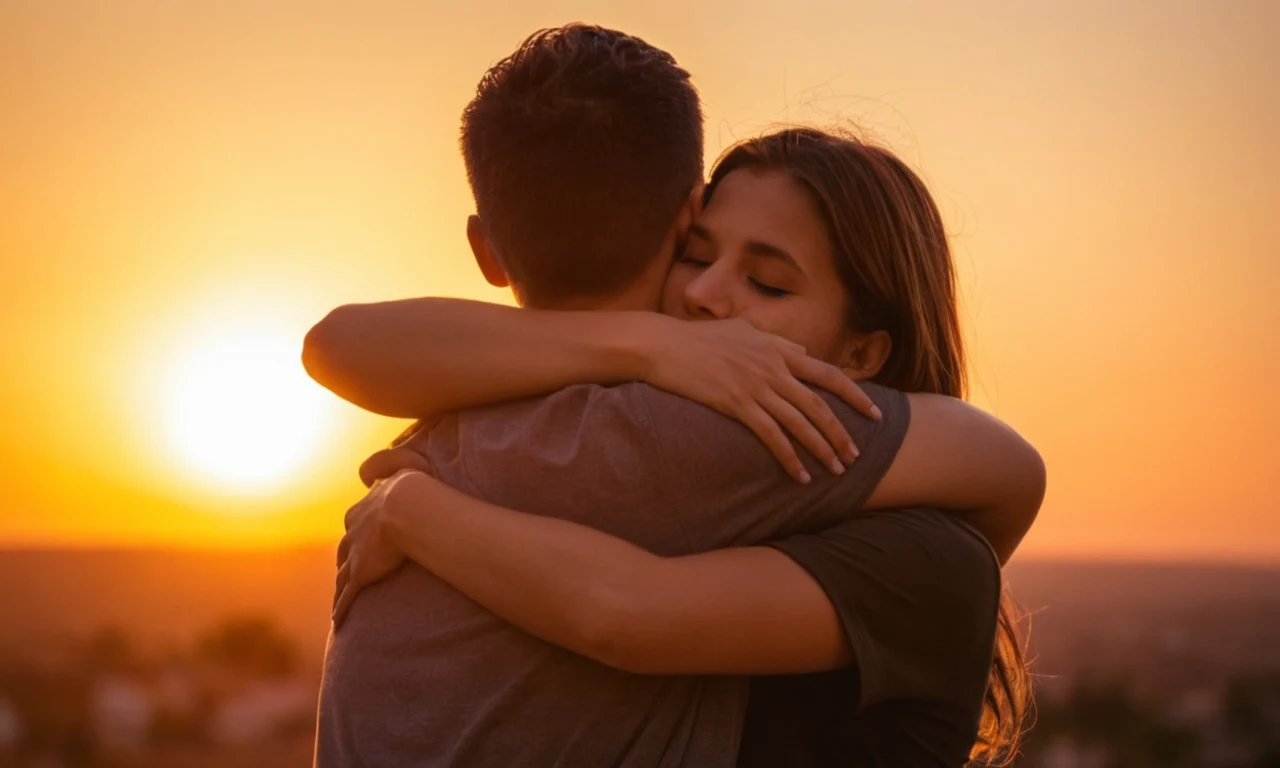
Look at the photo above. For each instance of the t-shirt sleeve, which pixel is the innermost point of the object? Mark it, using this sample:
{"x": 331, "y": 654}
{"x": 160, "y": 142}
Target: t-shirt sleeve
{"x": 917, "y": 593}
{"x": 730, "y": 490}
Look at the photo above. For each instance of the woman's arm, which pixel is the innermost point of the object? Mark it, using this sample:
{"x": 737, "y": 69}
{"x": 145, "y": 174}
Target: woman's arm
{"x": 734, "y": 611}
{"x": 420, "y": 357}
{"x": 954, "y": 457}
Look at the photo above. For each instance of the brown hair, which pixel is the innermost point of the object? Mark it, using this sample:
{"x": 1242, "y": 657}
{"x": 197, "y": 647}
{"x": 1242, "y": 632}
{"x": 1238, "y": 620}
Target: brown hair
{"x": 581, "y": 147}
{"x": 894, "y": 260}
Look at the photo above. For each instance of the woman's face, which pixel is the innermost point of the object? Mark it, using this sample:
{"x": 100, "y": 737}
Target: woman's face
{"x": 760, "y": 251}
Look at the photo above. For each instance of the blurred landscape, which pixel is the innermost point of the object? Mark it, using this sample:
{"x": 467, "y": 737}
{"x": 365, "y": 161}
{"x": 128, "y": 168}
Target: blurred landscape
{"x": 201, "y": 658}
{"x": 188, "y": 186}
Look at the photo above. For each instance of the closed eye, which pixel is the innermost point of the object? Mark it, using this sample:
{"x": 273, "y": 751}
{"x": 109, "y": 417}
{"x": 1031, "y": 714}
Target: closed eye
{"x": 768, "y": 290}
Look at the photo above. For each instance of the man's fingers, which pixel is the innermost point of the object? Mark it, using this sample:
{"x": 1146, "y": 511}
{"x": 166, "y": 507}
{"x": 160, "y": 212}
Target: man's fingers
{"x": 803, "y": 430}
{"x": 819, "y": 414}
{"x": 766, "y": 428}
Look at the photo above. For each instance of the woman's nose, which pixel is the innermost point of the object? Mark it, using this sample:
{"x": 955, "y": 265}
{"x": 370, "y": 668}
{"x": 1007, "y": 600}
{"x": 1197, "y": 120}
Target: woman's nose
{"x": 706, "y": 296}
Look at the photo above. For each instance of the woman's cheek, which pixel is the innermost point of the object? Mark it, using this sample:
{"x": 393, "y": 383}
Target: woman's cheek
{"x": 673, "y": 294}
{"x": 763, "y": 319}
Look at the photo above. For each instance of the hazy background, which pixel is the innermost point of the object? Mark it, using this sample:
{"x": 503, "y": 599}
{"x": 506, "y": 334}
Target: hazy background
{"x": 172, "y": 172}
{"x": 187, "y": 185}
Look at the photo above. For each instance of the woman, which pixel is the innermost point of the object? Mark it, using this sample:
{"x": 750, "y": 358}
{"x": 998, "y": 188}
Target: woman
{"x": 836, "y": 246}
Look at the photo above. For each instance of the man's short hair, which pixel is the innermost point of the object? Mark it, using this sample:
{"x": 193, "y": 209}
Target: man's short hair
{"x": 581, "y": 148}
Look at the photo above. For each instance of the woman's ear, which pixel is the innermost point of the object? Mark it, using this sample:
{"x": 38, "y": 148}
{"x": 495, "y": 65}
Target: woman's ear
{"x": 483, "y": 251}
{"x": 866, "y": 354}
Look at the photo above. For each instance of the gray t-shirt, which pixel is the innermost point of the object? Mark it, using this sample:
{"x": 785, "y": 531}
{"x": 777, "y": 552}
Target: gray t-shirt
{"x": 420, "y": 675}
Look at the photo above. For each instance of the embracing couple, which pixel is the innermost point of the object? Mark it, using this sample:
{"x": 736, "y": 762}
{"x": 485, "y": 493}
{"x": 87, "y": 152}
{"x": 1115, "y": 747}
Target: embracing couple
{"x": 650, "y": 519}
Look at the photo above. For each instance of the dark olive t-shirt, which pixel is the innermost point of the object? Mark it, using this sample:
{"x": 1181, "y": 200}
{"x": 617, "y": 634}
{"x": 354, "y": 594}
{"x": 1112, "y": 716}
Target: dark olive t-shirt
{"x": 917, "y": 594}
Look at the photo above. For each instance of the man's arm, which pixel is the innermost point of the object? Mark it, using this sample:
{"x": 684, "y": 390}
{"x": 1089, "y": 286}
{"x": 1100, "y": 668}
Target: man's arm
{"x": 959, "y": 458}
{"x": 724, "y": 487}
{"x": 929, "y": 451}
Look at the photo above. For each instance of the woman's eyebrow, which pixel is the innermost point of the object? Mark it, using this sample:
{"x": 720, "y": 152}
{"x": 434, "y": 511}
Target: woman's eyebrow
{"x": 770, "y": 251}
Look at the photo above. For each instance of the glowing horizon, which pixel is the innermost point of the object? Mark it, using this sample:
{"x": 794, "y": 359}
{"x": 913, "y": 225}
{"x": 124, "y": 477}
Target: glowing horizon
{"x": 202, "y": 181}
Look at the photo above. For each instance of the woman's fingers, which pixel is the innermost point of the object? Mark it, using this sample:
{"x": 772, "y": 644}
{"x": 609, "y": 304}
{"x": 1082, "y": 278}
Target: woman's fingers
{"x": 766, "y": 428}
{"x": 788, "y": 346}
{"x": 389, "y": 461}
{"x": 345, "y": 599}
{"x": 344, "y": 550}
{"x": 349, "y": 521}
{"x": 341, "y": 592}
{"x": 819, "y": 415}
{"x": 804, "y": 431}
{"x": 836, "y": 381}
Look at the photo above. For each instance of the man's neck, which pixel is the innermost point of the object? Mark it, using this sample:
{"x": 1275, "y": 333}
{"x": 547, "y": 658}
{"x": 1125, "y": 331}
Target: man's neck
{"x": 644, "y": 294}
{"x": 641, "y": 296}
{"x": 621, "y": 303}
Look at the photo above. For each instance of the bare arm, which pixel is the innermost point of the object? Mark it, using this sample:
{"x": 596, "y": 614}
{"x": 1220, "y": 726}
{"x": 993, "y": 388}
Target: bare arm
{"x": 953, "y": 457}
{"x": 957, "y": 457}
{"x": 419, "y": 357}
{"x": 748, "y": 610}
{"x": 733, "y": 611}
{"x": 745, "y": 611}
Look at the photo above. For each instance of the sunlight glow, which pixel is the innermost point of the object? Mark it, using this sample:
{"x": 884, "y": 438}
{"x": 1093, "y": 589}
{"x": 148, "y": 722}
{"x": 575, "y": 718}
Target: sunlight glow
{"x": 242, "y": 412}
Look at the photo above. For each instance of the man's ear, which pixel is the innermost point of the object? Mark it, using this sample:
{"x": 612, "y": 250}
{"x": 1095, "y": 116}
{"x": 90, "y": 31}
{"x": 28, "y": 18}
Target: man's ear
{"x": 689, "y": 213}
{"x": 866, "y": 354}
{"x": 485, "y": 258}
{"x": 698, "y": 198}
{"x": 692, "y": 209}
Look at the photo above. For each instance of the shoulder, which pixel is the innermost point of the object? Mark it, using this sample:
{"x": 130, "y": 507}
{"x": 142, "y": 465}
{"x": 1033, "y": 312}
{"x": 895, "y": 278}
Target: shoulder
{"x": 918, "y": 547}
{"x": 701, "y": 426}
{"x": 580, "y": 415}
{"x": 917, "y": 593}
{"x": 958, "y": 569}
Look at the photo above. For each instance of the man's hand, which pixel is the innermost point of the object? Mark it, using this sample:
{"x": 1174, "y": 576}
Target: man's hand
{"x": 366, "y": 554}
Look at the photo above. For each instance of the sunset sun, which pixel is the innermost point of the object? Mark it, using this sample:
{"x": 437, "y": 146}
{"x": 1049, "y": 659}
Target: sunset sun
{"x": 241, "y": 412}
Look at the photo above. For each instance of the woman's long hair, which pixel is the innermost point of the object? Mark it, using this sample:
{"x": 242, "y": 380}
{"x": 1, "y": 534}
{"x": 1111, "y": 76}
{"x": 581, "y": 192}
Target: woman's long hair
{"x": 894, "y": 260}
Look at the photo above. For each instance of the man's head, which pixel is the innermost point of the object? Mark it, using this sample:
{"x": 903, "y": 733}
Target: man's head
{"x": 582, "y": 149}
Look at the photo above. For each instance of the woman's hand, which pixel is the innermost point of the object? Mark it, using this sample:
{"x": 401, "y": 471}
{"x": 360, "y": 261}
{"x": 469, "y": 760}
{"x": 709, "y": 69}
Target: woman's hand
{"x": 759, "y": 379}
{"x": 388, "y": 462}
{"x": 367, "y": 553}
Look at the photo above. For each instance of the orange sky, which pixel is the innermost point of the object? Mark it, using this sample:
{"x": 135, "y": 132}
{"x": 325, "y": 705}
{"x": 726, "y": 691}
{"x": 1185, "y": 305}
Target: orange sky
{"x": 172, "y": 172}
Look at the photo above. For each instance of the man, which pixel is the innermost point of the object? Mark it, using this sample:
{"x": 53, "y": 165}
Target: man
{"x": 583, "y": 150}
